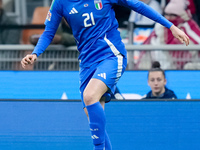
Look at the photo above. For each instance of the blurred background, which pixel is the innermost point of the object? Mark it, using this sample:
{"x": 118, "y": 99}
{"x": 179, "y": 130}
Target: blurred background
{"x": 40, "y": 107}
{"x": 22, "y": 23}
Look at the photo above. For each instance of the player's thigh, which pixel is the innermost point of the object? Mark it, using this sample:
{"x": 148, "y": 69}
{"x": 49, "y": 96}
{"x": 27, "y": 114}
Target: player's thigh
{"x": 94, "y": 91}
{"x": 110, "y": 70}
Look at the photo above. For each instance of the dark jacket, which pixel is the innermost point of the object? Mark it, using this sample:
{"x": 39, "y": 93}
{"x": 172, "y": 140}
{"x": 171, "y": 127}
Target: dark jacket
{"x": 169, "y": 94}
{"x": 9, "y": 36}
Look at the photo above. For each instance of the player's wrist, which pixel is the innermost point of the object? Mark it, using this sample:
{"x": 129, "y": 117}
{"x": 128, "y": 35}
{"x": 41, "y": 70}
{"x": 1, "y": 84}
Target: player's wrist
{"x": 172, "y": 26}
{"x": 34, "y": 54}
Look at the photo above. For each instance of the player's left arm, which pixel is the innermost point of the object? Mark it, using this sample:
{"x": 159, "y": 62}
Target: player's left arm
{"x": 145, "y": 10}
{"x": 150, "y": 13}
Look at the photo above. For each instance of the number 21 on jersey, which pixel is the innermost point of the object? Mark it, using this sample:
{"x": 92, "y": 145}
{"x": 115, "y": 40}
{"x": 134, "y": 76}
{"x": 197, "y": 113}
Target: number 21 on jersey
{"x": 89, "y": 19}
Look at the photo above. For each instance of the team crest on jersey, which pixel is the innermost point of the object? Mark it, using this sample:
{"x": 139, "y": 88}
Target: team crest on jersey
{"x": 49, "y": 16}
{"x": 98, "y": 4}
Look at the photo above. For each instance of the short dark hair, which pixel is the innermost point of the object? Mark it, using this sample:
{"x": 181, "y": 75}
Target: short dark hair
{"x": 156, "y": 67}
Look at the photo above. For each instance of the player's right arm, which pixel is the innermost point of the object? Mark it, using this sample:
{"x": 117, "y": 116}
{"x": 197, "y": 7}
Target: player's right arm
{"x": 28, "y": 59}
{"x": 52, "y": 22}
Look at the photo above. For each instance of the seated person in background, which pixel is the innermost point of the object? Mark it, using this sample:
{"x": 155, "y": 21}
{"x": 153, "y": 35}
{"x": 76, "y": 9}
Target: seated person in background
{"x": 63, "y": 36}
{"x": 180, "y": 16}
{"x": 157, "y": 82}
{"x": 140, "y": 34}
{"x": 8, "y": 36}
{"x": 192, "y": 8}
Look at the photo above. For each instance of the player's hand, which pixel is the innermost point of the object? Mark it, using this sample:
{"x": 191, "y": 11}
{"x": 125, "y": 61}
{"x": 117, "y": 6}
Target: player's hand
{"x": 28, "y": 59}
{"x": 180, "y": 35}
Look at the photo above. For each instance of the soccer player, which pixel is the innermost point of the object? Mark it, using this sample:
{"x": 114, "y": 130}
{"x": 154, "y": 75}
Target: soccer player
{"x": 157, "y": 81}
{"x": 103, "y": 57}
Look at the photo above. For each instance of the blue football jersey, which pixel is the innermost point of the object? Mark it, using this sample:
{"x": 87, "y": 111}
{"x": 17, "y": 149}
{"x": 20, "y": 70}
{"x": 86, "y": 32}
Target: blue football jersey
{"x": 94, "y": 26}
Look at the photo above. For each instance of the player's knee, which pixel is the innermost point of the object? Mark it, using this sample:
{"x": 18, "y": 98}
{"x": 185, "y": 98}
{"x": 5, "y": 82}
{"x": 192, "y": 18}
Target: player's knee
{"x": 89, "y": 98}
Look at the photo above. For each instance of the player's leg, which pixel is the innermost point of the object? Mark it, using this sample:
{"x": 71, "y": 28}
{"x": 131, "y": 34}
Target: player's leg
{"x": 94, "y": 91}
{"x": 106, "y": 98}
{"x": 108, "y": 145}
{"x": 92, "y": 94}
{"x": 109, "y": 71}
{"x": 102, "y": 102}
{"x": 94, "y": 82}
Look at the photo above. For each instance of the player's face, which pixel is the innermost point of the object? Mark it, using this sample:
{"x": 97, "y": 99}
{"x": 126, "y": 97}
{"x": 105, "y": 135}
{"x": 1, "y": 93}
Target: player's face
{"x": 157, "y": 82}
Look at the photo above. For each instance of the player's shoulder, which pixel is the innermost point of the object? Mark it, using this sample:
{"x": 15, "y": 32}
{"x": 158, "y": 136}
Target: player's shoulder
{"x": 57, "y": 5}
{"x": 56, "y": 2}
{"x": 112, "y": 1}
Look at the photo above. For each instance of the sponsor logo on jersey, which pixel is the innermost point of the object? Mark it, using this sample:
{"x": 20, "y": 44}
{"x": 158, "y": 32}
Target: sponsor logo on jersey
{"x": 49, "y": 16}
{"x": 73, "y": 11}
{"x": 98, "y": 4}
{"x": 94, "y": 137}
{"x": 103, "y": 75}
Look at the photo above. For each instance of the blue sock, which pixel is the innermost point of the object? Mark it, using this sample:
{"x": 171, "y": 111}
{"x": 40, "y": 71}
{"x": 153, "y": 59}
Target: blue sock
{"x": 108, "y": 145}
{"x": 97, "y": 123}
